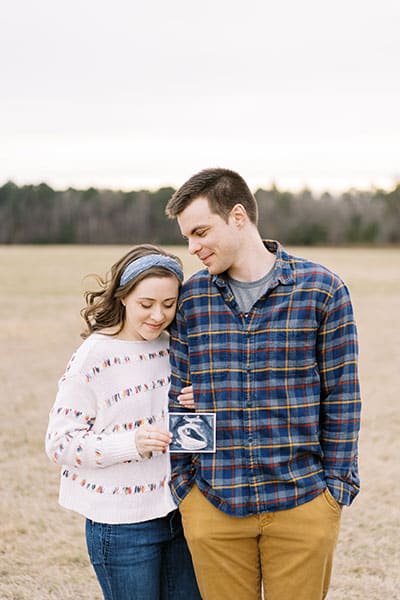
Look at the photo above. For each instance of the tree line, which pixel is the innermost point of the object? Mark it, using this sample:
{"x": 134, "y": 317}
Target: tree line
{"x": 38, "y": 214}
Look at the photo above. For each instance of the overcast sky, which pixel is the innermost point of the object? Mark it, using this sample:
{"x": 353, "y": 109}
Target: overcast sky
{"x": 128, "y": 94}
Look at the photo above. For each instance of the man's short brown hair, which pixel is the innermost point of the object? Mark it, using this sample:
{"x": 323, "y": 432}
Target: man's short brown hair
{"x": 222, "y": 188}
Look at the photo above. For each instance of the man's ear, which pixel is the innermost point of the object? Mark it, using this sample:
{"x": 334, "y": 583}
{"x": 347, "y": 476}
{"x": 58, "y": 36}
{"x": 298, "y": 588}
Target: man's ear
{"x": 239, "y": 215}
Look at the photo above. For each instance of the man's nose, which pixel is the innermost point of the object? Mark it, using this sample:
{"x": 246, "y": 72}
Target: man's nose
{"x": 193, "y": 246}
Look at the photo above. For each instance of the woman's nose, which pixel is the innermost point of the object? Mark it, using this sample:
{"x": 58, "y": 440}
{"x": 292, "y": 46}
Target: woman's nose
{"x": 157, "y": 313}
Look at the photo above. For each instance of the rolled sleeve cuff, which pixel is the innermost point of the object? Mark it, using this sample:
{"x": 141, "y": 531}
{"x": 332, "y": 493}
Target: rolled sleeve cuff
{"x": 344, "y": 492}
{"x": 180, "y": 486}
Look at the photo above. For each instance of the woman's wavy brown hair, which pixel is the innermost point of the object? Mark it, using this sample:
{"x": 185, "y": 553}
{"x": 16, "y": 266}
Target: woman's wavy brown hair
{"x": 104, "y": 307}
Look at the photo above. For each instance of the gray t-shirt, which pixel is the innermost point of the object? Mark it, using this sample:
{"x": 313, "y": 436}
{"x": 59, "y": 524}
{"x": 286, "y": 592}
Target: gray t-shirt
{"x": 248, "y": 292}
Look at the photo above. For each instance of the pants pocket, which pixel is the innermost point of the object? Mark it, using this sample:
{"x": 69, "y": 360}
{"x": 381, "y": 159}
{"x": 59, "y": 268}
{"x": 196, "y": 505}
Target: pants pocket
{"x": 182, "y": 502}
{"x": 331, "y": 500}
{"x": 97, "y": 541}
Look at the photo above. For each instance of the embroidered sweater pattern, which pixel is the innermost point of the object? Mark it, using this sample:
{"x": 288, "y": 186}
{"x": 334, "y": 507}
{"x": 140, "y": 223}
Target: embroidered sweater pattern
{"x": 109, "y": 389}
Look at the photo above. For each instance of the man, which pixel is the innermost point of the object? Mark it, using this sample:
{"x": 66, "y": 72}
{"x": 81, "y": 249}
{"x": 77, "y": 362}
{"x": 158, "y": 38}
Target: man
{"x": 269, "y": 342}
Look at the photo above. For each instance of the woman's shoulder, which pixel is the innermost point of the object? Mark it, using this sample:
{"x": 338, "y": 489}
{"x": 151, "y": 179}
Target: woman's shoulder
{"x": 83, "y": 354}
{"x": 103, "y": 348}
{"x": 104, "y": 343}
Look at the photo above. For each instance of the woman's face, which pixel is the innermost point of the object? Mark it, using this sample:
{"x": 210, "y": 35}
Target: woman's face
{"x": 150, "y": 308}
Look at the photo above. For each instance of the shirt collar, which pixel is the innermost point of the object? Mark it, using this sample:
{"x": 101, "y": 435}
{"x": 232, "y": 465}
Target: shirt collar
{"x": 283, "y": 270}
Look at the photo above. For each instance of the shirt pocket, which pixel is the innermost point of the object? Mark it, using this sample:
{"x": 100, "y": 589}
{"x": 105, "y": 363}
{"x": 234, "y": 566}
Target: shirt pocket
{"x": 289, "y": 348}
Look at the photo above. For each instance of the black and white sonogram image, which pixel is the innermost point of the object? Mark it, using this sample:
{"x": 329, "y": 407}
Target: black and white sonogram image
{"x": 192, "y": 432}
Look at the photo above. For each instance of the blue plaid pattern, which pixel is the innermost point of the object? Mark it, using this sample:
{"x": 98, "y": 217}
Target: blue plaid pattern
{"x": 282, "y": 381}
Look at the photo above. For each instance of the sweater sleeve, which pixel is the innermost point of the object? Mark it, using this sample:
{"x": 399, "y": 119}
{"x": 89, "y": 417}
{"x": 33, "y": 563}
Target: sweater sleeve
{"x": 72, "y": 439}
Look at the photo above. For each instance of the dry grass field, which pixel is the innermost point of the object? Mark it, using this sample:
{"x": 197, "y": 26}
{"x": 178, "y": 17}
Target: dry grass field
{"x": 42, "y": 549}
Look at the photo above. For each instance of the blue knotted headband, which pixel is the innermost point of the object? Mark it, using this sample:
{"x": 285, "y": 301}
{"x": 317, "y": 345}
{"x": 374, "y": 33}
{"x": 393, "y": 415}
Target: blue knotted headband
{"x": 146, "y": 262}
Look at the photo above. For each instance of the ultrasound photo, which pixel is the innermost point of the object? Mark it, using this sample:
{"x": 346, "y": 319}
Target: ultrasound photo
{"x": 192, "y": 432}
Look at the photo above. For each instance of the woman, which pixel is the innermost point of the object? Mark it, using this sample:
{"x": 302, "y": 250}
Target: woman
{"x": 108, "y": 430}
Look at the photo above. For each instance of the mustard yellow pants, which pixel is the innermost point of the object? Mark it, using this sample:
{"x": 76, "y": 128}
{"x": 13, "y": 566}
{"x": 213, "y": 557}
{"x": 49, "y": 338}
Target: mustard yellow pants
{"x": 289, "y": 553}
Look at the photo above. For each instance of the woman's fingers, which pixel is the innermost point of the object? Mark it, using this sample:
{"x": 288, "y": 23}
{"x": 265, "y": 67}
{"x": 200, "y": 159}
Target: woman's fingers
{"x": 152, "y": 439}
{"x": 186, "y": 397}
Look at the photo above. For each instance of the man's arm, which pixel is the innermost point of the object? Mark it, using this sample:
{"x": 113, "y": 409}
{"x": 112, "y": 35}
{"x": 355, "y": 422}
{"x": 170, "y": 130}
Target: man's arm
{"x": 182, "y": 468}
{"x": 337, "y": 351}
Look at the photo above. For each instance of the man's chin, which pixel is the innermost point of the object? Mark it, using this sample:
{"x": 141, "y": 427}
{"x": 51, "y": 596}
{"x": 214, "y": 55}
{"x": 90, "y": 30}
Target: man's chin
{"x": 208, "y": 267}
{"x": 213, "y": 270}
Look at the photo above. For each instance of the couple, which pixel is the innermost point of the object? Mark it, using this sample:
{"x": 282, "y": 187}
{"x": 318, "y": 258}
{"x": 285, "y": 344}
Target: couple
{"x": 268, "y": 342}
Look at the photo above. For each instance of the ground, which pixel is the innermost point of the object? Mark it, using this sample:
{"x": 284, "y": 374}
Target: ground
{"x": 43, "y": 554}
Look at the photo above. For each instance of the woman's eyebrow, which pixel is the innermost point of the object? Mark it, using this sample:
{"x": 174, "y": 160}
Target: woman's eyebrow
{"x": 153, "y": 299}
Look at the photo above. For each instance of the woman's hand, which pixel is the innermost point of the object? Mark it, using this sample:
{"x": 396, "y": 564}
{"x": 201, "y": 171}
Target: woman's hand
{"x": 151, "y": 439}
{"x": 186, "y": 397}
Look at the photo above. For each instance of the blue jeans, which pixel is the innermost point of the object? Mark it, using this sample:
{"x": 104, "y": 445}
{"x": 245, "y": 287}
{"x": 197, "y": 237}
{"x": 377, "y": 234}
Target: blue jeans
{"x": 142, "y": 561}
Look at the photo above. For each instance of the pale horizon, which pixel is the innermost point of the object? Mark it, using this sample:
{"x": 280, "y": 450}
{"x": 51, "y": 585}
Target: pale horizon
{"x": 141, "y": 97}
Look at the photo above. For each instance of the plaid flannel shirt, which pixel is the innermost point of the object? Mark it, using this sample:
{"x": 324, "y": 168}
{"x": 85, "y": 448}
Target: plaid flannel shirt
{"x": 282, "y": 381}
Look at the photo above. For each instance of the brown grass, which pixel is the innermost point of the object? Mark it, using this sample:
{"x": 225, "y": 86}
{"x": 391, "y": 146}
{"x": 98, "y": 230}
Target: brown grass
{"x": 42, "y": 548}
